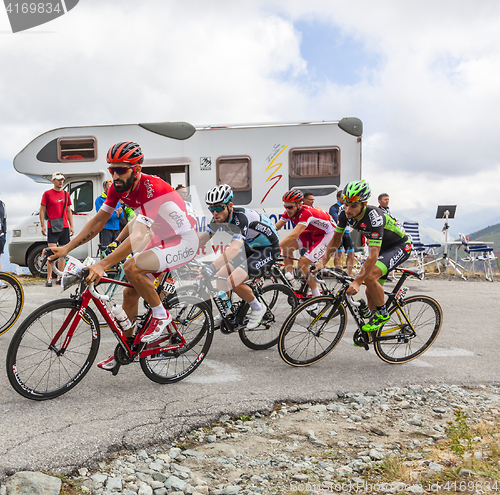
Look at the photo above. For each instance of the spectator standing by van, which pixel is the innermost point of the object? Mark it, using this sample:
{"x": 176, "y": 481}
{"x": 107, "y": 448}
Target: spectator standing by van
{"x": 112, "y": 227}
{"x": 55, "y": 208}
{"x": 308, "y": 199}
{"x": 383, "y": 203}
{"x": 182, "y": 191}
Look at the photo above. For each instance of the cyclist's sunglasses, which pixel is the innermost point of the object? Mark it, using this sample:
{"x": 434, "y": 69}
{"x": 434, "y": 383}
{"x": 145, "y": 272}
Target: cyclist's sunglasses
{"x": 118, "y": 170}
{"x": 290, "y": 207}
{"x": 217, "y": 208}
{"x": 351, "y": 199}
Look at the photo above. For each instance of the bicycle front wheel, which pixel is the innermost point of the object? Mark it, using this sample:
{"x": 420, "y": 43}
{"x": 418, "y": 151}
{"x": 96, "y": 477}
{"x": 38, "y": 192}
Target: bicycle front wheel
{"x": 38, "y": 366}
{"x": 194, "y": 322}
{"x": 280, "y": 301}
{"x": 312, "y": 331}
{"x": 11, "y": 301}
{"x": 410, "y": 331}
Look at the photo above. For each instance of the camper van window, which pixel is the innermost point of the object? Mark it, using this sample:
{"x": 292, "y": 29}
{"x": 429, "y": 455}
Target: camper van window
{"x": 235, "y": 171}
{"x": 82, "y": 196}
{"x": 77, "y": 149}
{"x": 314, "y": 162}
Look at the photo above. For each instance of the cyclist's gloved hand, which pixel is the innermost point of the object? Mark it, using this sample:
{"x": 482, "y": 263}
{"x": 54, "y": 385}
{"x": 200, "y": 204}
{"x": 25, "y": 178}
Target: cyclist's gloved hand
{"x": 208, "y": 271}
{"x": 111, "y": 247}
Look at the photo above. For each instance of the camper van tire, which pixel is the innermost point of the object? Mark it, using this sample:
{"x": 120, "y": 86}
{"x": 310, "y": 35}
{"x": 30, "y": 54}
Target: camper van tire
{"x": 34, "y": 261}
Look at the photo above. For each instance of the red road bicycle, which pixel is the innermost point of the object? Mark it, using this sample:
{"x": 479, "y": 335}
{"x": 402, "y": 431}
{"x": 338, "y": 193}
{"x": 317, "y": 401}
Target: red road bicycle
{"x": 55, "y": 346}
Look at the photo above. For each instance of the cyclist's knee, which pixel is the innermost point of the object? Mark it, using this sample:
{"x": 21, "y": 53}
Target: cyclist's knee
{"x": 129, "y": 266}
{"x": 373, "y": 278}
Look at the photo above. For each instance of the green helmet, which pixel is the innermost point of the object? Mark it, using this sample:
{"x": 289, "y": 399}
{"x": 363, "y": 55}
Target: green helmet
{"x": 357, "y": 191}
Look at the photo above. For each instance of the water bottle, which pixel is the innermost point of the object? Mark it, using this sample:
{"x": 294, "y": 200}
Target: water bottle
{"x": 224, "y": 297}
{"x": 121, "y": 317}
{"x": 363, "y": 308}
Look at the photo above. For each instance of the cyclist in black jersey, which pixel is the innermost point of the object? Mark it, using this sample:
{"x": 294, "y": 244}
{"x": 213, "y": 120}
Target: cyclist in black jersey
{"x": 388, "y": 247}
{"x": 254, "y": 246}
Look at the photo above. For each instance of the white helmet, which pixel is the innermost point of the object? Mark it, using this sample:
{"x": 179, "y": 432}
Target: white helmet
{"x": 219, "y": 194}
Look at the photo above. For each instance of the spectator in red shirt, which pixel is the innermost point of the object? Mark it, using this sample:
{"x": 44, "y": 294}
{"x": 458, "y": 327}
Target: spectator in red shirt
{"x": 52, "y": 208}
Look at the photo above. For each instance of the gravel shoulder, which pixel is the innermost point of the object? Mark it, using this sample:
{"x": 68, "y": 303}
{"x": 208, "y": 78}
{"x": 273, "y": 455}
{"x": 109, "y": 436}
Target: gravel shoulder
{"x": 329, "y": 447}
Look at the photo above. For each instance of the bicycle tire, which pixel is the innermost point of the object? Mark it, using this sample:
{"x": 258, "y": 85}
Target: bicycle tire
{"x": 11, "y": 301}
{"x": 298, "y": 345}
{"x": 34, "y": 369}
{"x": 426, "y": 317}
{"x": 280, "y": 301}
{"x": 172, "y": 366}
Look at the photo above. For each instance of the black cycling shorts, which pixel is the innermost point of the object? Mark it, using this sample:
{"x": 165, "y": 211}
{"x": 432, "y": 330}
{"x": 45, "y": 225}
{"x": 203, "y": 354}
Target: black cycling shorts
{"x": 256, "y": 261}
{"x": 59, "y": 238}
{"x": 393, "y": 256}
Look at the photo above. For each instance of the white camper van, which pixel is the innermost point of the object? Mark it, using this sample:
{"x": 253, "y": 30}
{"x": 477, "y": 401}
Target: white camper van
{"x": 259, "y": 161}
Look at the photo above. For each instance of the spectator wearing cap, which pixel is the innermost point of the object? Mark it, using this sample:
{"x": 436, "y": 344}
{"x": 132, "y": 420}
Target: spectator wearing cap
{"x": 112, "y": 227}
{"x": 55, "y": 208}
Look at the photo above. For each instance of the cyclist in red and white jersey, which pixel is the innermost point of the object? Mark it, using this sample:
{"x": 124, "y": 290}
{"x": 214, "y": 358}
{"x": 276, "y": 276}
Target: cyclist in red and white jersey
{"x": 162, "y": 235}
{"x": 313, "y": 229}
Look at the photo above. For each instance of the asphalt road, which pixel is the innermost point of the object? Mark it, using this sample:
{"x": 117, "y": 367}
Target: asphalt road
{"x": 104, "y": 413}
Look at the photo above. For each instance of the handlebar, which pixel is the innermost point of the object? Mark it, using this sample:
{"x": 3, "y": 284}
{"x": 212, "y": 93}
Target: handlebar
{"x": 45, "y": 260}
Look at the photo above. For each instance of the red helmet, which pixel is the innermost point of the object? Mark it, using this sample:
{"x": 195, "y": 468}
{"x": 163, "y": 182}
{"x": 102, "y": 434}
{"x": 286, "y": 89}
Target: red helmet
{"x": 293, "y": 196}
{"x": 125, "y": 152}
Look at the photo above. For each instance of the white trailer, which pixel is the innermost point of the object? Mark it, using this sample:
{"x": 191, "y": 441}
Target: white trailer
{"x": 259, "y": 161}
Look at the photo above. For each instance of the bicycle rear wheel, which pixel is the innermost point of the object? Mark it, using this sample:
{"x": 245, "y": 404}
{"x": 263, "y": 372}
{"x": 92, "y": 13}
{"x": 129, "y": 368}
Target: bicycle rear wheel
{"x": 280, "y": 302}
{"x": 308, "y": 335}
{"x": 410, "y": 331}
{"x": 11, "y": 301}
{"x": 194, "y": 321}
{"x": 36, "y": 366}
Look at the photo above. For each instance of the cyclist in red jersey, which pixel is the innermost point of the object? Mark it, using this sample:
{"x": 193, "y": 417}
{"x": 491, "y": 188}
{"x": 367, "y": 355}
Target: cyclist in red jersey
{"x": 313, "y": 229}
{"x": 162, "y": 235}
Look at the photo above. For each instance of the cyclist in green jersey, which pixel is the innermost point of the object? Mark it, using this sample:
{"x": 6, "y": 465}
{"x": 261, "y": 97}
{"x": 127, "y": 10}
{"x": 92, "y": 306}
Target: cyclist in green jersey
{"x": 388, "y": 247}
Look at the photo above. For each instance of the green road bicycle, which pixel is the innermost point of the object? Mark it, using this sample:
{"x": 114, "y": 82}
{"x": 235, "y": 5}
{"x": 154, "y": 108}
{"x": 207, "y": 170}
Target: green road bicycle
{"x": 311, "y": 332}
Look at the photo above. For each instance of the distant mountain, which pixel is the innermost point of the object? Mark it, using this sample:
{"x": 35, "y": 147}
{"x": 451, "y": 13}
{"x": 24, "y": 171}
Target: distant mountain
{"x": 489, "y": 234}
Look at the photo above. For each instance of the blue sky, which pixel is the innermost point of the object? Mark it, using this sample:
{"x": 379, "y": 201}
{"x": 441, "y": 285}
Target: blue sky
{"x": 333, "y": 56}
{"x": 424, "y": 77}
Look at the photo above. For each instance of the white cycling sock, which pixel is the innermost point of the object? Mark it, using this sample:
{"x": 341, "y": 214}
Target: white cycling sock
{"x": 315, "y": 292}
{"x": 159, "y": 311}
{"x": 255, "y": 305}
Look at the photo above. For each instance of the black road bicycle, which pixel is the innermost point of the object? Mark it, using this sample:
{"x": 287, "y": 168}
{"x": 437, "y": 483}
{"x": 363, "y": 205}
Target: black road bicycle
{"x": 278, "y": 299}
{"x": 311, "y": 332}
{"x": 11, "y": 301}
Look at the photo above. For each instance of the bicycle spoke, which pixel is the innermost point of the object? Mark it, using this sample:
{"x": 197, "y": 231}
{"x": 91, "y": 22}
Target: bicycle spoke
{"x": 39, "y": 369}
{"x": 410, "y": 330}
{"x": 308, "y": 336}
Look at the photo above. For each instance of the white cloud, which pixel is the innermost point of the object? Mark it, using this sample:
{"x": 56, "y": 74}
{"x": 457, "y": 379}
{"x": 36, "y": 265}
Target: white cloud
{"x": 429, "y": 105}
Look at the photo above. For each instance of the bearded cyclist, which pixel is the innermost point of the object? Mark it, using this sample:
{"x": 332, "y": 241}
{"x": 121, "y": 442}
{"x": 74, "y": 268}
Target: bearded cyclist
{"x": 313, "y": 230}
{"x": 162, "y": 234}
{"x": 388, "y": 247}
{"x": 253, "y": 248}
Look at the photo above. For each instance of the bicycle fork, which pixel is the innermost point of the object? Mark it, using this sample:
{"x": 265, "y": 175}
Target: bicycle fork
{"x": 326, "y": 319}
